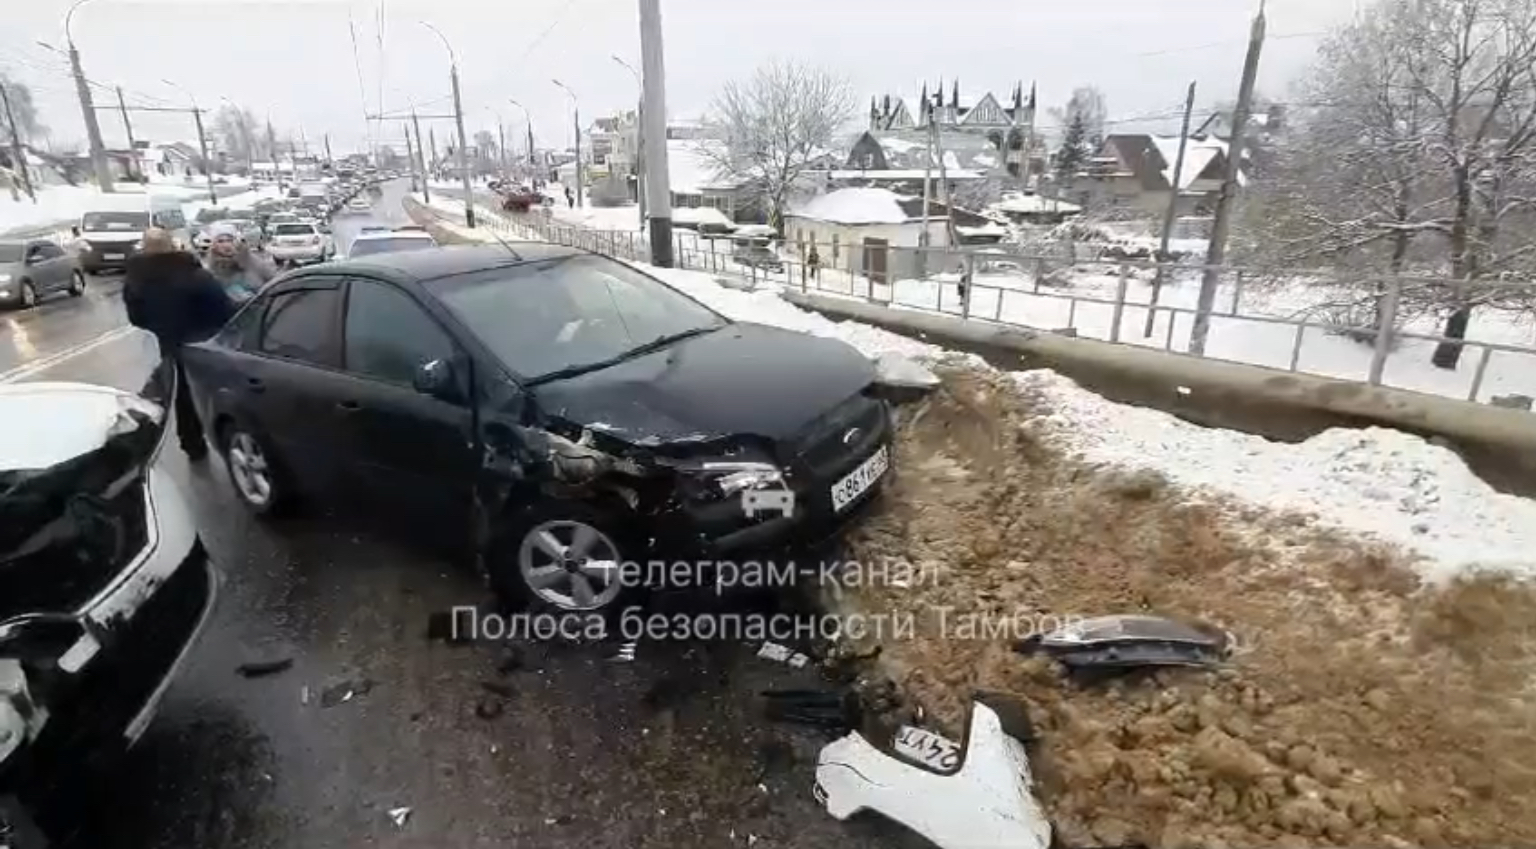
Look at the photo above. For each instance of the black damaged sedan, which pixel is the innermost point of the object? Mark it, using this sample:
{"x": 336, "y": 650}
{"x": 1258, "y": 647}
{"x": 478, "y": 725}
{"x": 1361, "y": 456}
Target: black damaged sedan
{"x": 561, "y": 412}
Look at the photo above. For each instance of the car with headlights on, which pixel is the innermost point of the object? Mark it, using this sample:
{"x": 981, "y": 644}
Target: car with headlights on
{"x": 104, "y": 590}
{"x": 574, "y": 411}
{"x": 31, "y": 269}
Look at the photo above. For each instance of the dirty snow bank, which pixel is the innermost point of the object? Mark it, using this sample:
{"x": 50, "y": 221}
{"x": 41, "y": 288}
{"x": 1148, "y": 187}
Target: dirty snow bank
{"x": 1378, "y": 481}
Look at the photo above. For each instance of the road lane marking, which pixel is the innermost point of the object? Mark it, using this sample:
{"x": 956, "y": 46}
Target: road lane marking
{"x": 26, "y": 370}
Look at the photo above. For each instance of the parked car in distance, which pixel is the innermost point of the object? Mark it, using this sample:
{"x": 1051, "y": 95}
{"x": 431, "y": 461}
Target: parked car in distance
{"x": 298, "y": 243}
{"x": 366, "y": 244}
{"x": 32, "y": 269}
{"x": 585, "y": 412}
{"x": 359, "y": 204}
{"x": 105, "y": 590}
{"x": 107, "y": 239}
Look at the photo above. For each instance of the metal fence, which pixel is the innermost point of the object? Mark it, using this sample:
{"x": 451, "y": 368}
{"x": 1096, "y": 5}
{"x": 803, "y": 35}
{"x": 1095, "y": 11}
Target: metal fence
{"x": 1123, "y": 301}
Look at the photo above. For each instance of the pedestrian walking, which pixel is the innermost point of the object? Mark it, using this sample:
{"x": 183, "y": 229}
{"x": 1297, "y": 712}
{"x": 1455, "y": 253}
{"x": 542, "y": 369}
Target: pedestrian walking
{"x": 230, "y": 260}
{"x": 813, "y": 262}
{"x": 169, "y": 293}
{"x": 570, "y": 198}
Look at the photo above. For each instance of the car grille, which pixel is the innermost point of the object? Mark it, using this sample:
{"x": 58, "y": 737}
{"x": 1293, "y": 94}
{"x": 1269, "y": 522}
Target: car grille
{"x": 820, "y": 452}
{"x": 111, "y": 247}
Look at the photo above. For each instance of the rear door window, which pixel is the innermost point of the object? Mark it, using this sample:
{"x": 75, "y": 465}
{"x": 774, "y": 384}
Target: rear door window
{"x": 300, "y": 324}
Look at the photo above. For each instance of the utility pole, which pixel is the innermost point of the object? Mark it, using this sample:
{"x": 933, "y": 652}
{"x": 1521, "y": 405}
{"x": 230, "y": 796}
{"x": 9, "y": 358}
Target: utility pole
{"x": 18, "y": 155}
{"x": 1026, "y": 157}
{"x": 458, "y": 117}
{"x": 410, "y": 155}
{"x": 202, "y": 144}
{"x": 277, "y": 172}
{"x": 1172, "y": 211}
{"x": 658, "y": 183}
{"x": 432, "y": 140}
{"x": 640, "y": 159}
{"x": 122, "y": 107}
{"x": 1216, "y": 251}
{"x": 923, "y": 239}
{"x": 328, "y": 159}
{"x": 92, "y": 128}
{"x": 501, "y": 144}
{"x": 426, "y": 176}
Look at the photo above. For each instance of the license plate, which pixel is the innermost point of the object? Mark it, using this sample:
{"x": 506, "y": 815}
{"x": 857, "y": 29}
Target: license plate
{"x": 927, "y": 748}
{"x": 858, "y": 481}
{"x": 111, "y": 256}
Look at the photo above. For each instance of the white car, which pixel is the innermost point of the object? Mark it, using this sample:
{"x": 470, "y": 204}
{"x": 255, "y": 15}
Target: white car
{"x": 359, "y": 204}
{"x": 389, "y": 241}
{"x": 299, "y": 243}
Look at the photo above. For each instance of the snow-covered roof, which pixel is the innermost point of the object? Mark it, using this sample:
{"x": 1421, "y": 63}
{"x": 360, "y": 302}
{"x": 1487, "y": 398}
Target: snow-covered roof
{"x": 700, "y": 215}
{"x": 858, "y": 206}
{"x": 1198, "y": 154}
{"x": 690, "y": 169}
{"x": 1033, "y": 204}
{"x": 903, "y": 174}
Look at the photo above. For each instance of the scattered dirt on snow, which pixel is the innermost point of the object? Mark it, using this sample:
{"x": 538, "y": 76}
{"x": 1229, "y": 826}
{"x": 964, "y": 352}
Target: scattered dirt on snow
{"x": 1367, "y": 708}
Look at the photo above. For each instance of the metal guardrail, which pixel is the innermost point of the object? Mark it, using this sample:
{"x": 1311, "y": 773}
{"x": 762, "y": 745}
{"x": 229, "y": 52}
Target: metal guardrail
{"x": 847, "y": 276}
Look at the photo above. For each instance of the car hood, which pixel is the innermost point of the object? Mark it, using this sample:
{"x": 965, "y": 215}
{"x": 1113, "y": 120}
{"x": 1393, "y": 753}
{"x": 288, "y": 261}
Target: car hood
{"x": 45, "y": 424}
{"x": 742, "y": 380}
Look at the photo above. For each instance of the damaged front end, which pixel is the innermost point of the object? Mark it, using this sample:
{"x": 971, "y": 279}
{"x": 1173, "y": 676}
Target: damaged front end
{"x": 103, "y": 585}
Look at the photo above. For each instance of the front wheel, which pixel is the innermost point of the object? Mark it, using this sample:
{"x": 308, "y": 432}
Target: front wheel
{"x": 77, "y": 284}
{"x": 564, "y": 556}
{"x": 257, "y": 481}
{"x": 28, "y": 295}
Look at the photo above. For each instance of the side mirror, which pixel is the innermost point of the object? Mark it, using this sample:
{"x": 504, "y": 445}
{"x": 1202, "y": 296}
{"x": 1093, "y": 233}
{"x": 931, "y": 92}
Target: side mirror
{"x": 437, "y": 379}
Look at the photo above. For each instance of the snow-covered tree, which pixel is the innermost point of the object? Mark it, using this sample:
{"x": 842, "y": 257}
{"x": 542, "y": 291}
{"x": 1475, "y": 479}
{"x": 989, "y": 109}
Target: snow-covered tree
{"x": 241, "y": 134}
{"x": 1074, "y": 151}
{"x": 1417, "y": 152}
{"x": 774, "y": 127}
{"x": 22, "y": 108}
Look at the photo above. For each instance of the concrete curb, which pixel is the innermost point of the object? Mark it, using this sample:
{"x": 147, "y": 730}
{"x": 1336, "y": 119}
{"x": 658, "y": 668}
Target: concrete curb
{"x": 1388, "y": 406}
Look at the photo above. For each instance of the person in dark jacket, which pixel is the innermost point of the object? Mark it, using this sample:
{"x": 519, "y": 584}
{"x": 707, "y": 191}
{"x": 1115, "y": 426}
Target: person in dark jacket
{"x": 169, "y": 293}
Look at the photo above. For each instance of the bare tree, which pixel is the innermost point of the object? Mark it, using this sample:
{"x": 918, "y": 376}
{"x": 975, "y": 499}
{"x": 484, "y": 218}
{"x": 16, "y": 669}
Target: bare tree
{"x": 241, "y": 134}
{"x": 22, "y": 107}
{"x": 775, "y": 126}
{"x": 1419, "y": 149}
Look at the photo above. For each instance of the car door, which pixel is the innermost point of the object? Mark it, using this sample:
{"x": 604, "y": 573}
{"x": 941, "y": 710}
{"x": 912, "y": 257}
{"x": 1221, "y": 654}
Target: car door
{"x": 286, "y": 384}
{"x": 52, "y": 268}
{"x": 410, "y": 449}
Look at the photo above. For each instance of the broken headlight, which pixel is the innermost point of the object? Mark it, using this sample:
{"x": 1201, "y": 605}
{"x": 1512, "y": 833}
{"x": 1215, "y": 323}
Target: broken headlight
{"x": 713, "y": 481}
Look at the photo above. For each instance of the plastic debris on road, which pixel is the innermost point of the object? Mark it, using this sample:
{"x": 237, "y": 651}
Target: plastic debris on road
{"x": 783, "y": 654}
{"x": 987, "y": 802}
{"x": 400, "y": 815}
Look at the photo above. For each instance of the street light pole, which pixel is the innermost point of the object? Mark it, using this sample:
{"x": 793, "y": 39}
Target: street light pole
{"x": 657, "y": 183}
{"x": 87, "y": 107}
{"x": 576, "y": 111}
{"x": 528, "y": 119}
{"x": 639, "y": 140}
{"x": 458, "y": 118}
{"x": 202, "y": 141}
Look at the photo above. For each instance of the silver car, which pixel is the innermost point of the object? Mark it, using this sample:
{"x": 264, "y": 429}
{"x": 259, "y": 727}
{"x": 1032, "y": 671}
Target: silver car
{"x": 31, "y": 269}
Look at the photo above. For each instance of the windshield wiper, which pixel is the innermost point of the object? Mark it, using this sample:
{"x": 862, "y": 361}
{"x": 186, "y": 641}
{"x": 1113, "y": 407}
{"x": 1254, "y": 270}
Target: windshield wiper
{"x": 641, "y": 350}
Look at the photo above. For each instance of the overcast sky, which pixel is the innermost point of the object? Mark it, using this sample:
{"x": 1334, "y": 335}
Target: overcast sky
{"x": 294, "y": 60}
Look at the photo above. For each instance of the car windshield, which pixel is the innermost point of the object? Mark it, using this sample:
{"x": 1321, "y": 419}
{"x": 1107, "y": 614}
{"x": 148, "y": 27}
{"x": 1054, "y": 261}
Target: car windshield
{"x": 96, "y": 221}
{"x": 364, "y": 247}
{"x": 556, "y": 315}
{"x": 294, "y": 230}
{"x": 208, "y": 216}
{"x": 10, "y": 252}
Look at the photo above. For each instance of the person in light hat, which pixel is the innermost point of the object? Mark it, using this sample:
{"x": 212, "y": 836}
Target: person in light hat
{"x": 231, "y": 262}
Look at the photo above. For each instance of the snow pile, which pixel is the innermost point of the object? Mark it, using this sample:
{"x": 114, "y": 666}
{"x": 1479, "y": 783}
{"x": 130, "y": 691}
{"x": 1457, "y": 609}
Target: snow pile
{"x": 1376, "y": 481}
{"x": 856, "y": 206}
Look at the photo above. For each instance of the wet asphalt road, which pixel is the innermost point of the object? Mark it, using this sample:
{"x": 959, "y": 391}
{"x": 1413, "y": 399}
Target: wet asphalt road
{"x": 670, "y": 750}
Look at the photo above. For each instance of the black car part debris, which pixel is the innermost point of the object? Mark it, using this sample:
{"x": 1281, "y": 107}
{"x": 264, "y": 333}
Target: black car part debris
{"x": 837, "y": 709}
{"x": 262, "y": 668}
{"x": 1128, "y": 641}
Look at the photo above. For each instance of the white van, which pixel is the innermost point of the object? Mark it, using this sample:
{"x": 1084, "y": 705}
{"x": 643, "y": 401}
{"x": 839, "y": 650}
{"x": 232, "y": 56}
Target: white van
{"x": 108, "y": 237}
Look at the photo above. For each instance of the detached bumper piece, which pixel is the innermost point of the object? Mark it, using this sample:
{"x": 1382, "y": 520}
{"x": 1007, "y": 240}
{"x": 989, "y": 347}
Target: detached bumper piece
{"x": 985, "y": 803}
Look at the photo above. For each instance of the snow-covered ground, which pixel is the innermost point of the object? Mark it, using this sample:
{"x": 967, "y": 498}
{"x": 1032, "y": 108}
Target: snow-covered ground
{"x": 66, "y": 203}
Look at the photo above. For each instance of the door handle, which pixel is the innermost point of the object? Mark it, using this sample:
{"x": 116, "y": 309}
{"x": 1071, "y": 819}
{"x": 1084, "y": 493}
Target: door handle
{"x": 255, "y": 384}
{"x": 348, "y": 406}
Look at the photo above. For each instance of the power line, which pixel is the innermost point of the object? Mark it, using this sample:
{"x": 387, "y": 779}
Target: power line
{"x": 1227, "y": 43}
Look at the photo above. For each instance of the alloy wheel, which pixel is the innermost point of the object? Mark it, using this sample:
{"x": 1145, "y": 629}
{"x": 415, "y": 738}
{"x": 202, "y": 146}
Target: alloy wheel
{"x": 249, "y": 469}
{"x": 570, "y": 565}
{"x": 28, "y": 296}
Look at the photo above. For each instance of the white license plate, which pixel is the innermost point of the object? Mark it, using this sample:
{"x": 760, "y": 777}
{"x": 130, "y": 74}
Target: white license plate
{"x": 927, "y": 748}
{"x": 111, "y": 256}
{"x": 858, "y": 481}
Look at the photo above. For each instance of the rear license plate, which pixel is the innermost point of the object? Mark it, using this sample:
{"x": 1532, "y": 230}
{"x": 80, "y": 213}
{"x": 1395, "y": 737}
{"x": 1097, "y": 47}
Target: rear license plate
{"x": 927, "y": 748}
{"x": 858, "y": 481}
{"x": 111, "y": 256}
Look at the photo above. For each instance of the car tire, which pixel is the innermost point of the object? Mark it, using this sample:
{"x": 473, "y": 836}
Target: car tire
{"x": 28, "y": 298}
{"x": 76, "y": 283}
{"x": 254, "y": 473}
{"x": 543, "y": 560}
